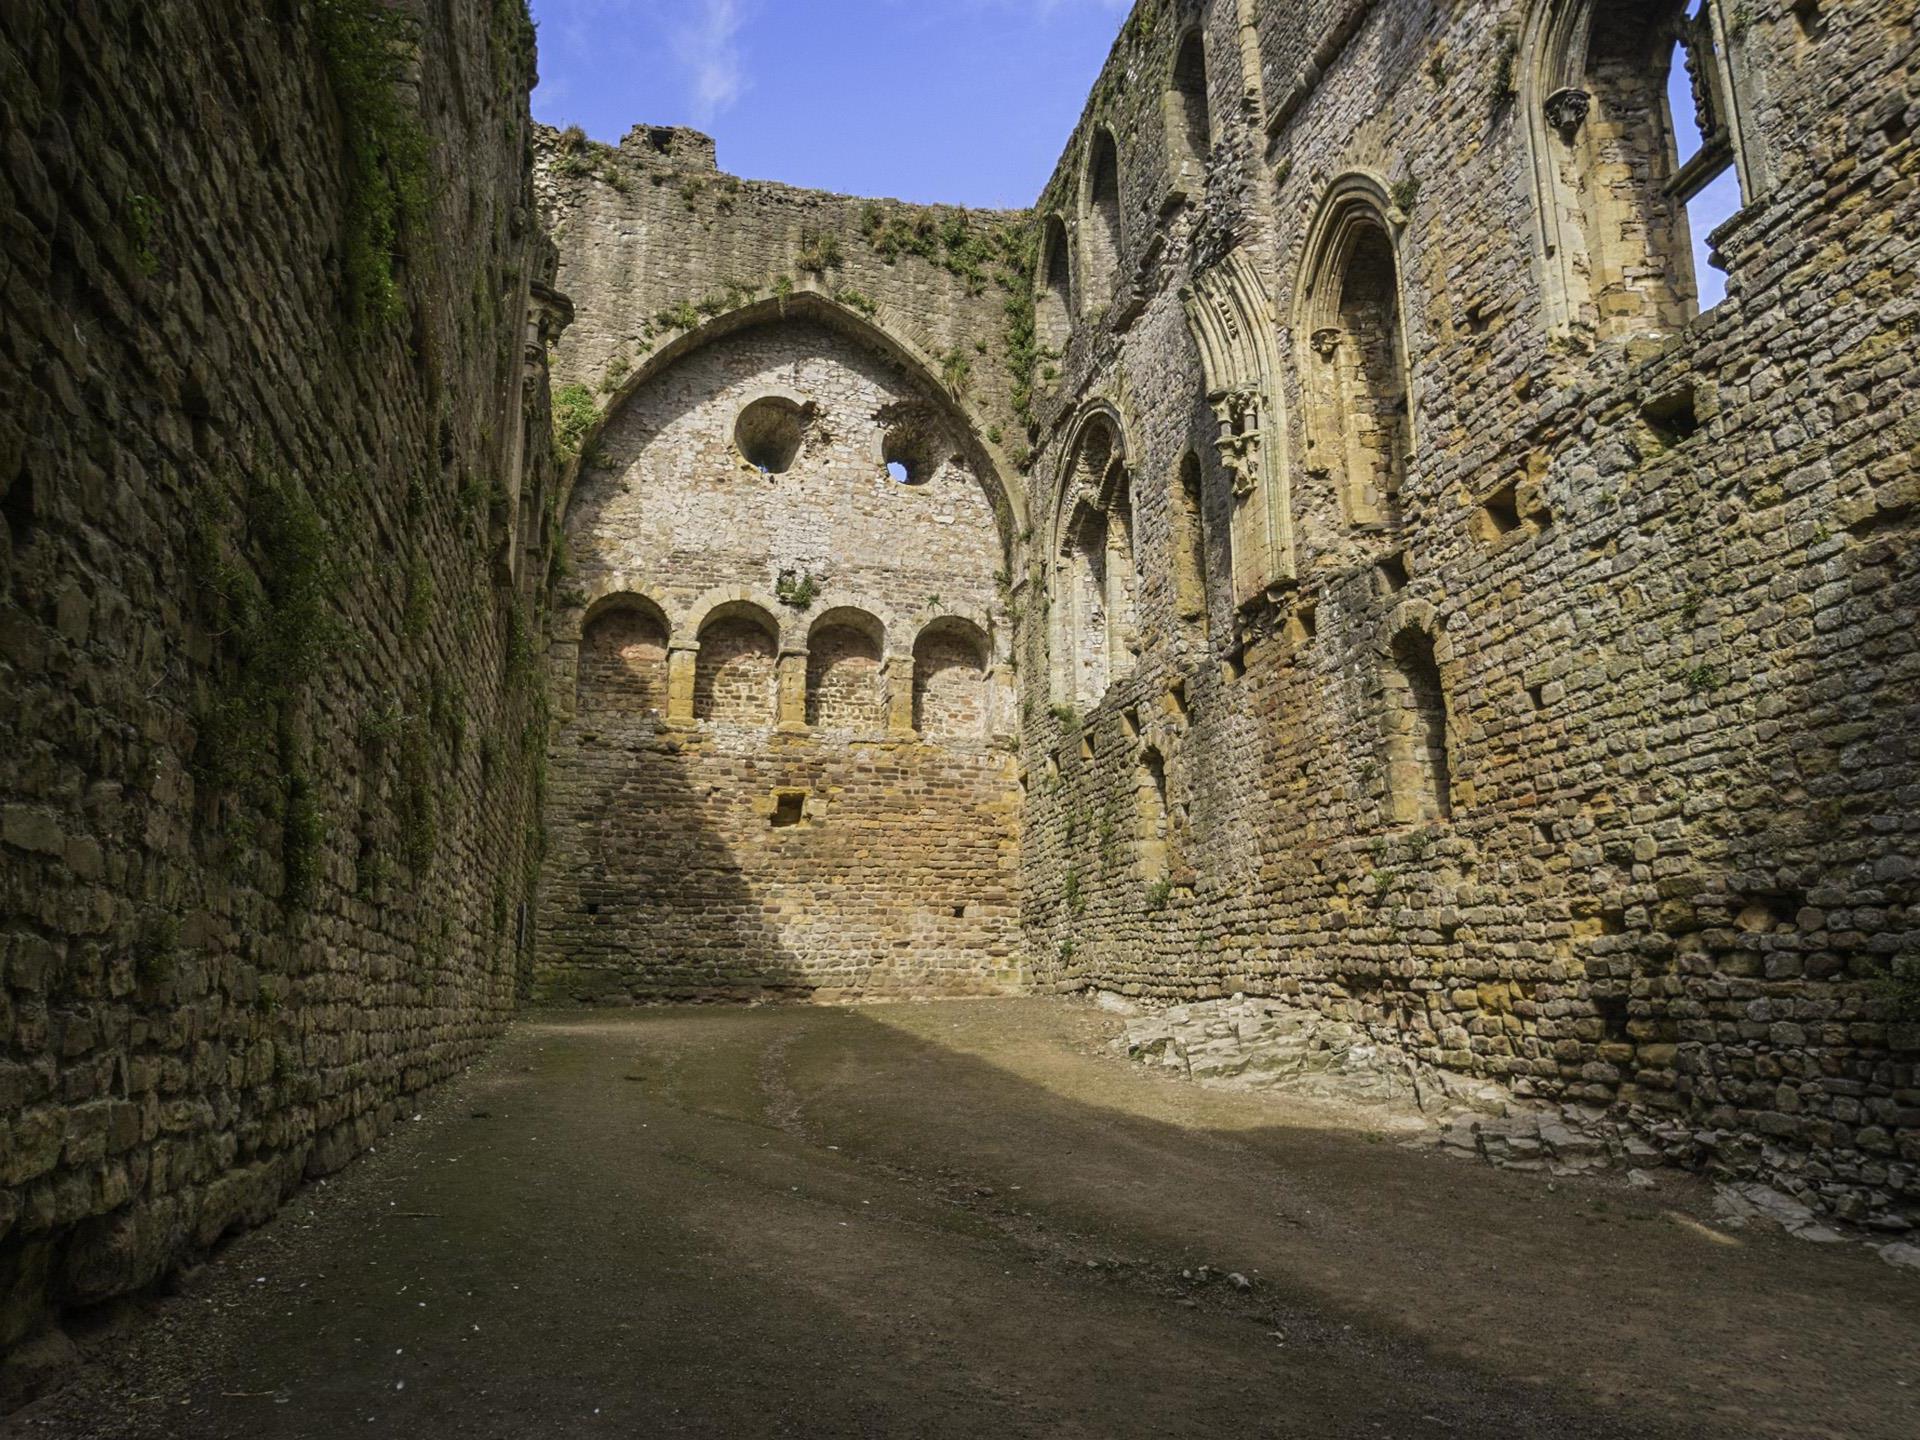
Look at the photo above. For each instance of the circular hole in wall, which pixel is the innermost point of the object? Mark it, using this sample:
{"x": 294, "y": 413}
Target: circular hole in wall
{"x": 908, "y": 452}
{"x": 769, "y": 433}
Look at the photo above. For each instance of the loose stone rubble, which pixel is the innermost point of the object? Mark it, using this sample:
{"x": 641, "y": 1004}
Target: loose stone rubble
{"x": 1246, "y": 1043}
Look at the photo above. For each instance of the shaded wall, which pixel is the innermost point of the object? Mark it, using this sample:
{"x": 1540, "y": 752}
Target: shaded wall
{"x": 1665, "y": 579}
{"x": 273, "y": 459}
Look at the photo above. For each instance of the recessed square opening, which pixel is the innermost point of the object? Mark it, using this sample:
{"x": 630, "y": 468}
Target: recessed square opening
{"x": 1612, "y": 1010}
{"x": 789, "y": 808}
{"x": 1393, "y": 573}
{"x": 17, "y": 505}
{"x": 1501, "y": 511}
{"x": 1672, "y": 417}
{"x": 1304, "y": 623}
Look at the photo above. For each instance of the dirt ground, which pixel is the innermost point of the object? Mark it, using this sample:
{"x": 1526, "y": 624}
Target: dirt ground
{"x": 968, "y": 1219}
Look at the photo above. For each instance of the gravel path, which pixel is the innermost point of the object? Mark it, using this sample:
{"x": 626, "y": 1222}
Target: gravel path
{"x": 967, "y": 1219}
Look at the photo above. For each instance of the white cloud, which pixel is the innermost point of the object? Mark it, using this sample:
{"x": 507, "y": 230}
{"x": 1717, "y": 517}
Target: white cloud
{"x": 707, "y": 43}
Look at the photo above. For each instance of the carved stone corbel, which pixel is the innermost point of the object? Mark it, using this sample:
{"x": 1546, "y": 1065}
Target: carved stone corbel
{"x": 1566, "y": 110}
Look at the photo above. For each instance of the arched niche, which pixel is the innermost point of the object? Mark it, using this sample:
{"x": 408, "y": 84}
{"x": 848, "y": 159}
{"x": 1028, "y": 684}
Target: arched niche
{"x": 1095, "y": 638}
{"x": 1100, "y": 222}
{"x": 1189, "y": 123}
{"x": 1354, "y": 370}
{"x": 622, "y": 668}
{"x": 952, "y": 699}
{"x": 846, "y": 657}
{"x": 735, "y": 673}
{"x": 1416, "y": 727}
{"x": 1188, "y": 538}
{"x": 1053, "y": 296}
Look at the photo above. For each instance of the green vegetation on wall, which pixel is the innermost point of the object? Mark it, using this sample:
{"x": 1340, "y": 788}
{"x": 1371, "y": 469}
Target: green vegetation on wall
{"x": 365, "y": 49}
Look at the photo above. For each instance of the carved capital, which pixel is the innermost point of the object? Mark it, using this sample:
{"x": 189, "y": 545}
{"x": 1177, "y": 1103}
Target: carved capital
{"x": 1325, "y": 341}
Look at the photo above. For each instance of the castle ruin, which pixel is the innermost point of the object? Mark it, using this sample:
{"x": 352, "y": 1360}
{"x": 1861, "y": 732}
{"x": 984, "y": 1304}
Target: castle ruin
{"x": 1321, "y": 551}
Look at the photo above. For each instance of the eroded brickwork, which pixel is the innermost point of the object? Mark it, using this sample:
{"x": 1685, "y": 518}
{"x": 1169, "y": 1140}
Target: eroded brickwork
{"x": 268, "y": 823}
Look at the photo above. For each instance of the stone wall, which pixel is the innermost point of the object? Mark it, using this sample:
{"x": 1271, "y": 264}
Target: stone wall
{"x": 275, "y": 466}
{"x": 659, "y": 247}
{"x": 1550, "y": 714}
{"x": 784, "y": 765}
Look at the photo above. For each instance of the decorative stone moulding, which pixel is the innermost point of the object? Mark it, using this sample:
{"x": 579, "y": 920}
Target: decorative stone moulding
{"x": 1566, "y": 110}
{"x": 1232, "y": 320}
{"x": 1326, "y": 341}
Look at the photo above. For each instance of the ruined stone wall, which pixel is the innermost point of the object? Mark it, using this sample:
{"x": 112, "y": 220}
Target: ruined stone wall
{"x": 657, "y": 245}
{"x": 1576, "y": 753}
{"x": 274, "y": 462}
{"x": 799, "y": 779}
{"x": 785, "y": 690}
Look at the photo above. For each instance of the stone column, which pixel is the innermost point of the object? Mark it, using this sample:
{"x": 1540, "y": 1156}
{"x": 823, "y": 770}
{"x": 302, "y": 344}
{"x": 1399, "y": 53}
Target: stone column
{"x": 792, "y": 712}
{"x": 681, "y": 660}
{"x": 899, "y": 675}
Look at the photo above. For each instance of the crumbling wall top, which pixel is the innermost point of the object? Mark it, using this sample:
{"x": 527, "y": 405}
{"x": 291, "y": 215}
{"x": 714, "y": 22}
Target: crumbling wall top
{"x": 683, "y": 147}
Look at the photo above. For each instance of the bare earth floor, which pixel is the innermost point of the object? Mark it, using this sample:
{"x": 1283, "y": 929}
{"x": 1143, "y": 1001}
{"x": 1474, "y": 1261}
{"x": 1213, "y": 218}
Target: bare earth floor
{"x": 967, "y": 1219}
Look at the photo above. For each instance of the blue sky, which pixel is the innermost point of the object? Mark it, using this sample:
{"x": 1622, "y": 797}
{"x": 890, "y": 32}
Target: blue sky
{"x": 965, "y": 102}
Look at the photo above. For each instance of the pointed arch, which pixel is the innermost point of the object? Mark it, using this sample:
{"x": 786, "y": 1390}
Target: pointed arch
{"x": 1154, "y": 838}
{"x": 1189, "y": 541}
{"x": 1613, "y": 248}
{"x": 1094, "y": 571}
{"x": 1053, "y": 297}
{"x": 884, "y": 333}
{"x": 1351, "y": 331}
{"x": 1418, "y": 674}
{"x": 1230, "y": 314}
{"x": 1100, "y": 221}
{"x": 1188, "y": 117}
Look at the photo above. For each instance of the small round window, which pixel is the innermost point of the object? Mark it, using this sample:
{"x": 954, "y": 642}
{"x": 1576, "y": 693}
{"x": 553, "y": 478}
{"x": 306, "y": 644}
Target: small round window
{"x": 769, "y": 433}
{"x": 907, "y": 452}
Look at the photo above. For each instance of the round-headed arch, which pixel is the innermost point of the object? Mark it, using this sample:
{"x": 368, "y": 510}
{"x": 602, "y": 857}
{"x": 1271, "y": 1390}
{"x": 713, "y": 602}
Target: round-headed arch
{"x": 865, "y": 623}
{"x": 958, "y": 630}
{"x": 615, "y": 595}
{"x": 733, "y": 603}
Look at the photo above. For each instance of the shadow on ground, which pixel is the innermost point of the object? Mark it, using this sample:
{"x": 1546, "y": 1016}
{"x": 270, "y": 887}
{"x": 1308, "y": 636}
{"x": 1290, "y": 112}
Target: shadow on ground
{"x": 960, "y": 1219}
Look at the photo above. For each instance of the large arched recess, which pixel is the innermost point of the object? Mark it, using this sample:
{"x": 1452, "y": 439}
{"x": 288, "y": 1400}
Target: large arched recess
{"x": 879, "y": 333}
{"x": 687, "y": 857}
